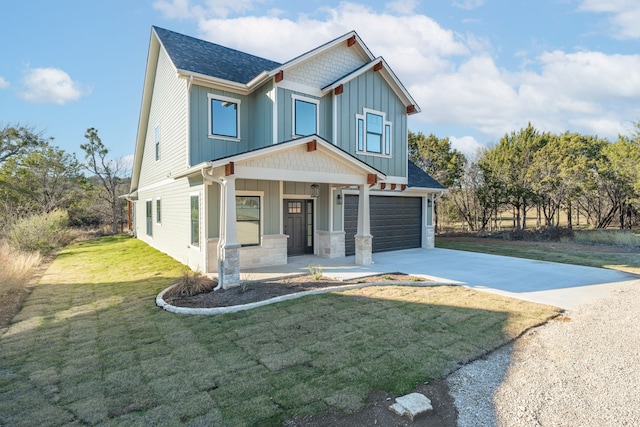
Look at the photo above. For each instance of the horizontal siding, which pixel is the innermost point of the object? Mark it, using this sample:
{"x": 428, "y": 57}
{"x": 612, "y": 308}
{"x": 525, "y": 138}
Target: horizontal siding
{"x": 169, "y": 110}
{"x": 173, "y": 235}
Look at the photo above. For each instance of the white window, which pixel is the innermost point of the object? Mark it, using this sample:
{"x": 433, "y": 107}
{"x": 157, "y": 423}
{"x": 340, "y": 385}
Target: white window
{"x": 373, "y": 133}
{"x": 224, "y": 117}
{"x": 149, "y": 218}
{"x": 157, "y": 139}
{"x": 248, "y": 220}
{"x": 195, "y": 219}
{"x": 305, "y": 116}
{"x": 158, "y": 210}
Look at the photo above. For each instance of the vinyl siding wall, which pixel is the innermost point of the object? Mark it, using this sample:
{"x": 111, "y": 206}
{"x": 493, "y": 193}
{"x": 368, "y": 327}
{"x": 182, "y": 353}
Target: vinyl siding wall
{"x": 173, "y": 235}
{"x": 285, "y": 114}
{"x": 169, "y": 110}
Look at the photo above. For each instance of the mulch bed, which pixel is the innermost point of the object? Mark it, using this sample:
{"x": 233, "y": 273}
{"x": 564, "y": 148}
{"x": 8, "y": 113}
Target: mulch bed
{"x": 249, "y": 292}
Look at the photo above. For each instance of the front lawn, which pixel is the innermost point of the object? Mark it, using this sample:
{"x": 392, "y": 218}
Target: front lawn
{"x": 90, "y": 346}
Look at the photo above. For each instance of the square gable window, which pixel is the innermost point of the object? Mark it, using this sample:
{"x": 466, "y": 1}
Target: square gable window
{"x": 305, "y": 116}
{"x": 224, "y": 117}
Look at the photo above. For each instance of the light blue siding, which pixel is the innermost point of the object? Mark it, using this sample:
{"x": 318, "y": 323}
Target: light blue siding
{"x": 371, "y": 91}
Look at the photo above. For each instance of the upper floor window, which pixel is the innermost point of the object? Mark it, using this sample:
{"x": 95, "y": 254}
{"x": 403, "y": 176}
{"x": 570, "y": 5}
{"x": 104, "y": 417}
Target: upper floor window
{"x": 157, "y": 139}
{"x": 305, "y": 116}
{"x": 373, "y": 133}
{"x": 224, "y": 117}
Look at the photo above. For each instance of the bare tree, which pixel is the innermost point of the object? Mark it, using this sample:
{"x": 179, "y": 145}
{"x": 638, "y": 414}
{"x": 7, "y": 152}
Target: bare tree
{"x": 110, "y": 173}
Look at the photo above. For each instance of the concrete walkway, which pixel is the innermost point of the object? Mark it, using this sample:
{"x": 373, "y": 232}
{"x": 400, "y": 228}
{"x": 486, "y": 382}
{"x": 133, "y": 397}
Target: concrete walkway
{"x": 562, "y": 285}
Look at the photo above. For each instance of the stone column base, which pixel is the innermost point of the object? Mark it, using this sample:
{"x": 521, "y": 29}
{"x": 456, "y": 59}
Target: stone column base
{"x": 430, "y": 242}
{"x": 330, "y": 244}
{"x": 230, "y": 274}
{"x": 364, "y": 249}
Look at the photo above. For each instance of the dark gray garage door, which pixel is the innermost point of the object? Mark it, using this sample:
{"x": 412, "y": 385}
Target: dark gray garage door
{"x": 395, "y": 222}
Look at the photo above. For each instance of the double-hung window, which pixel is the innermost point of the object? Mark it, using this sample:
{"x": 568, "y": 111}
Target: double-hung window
{"x": 157, "y": 140}
{"x": 195, "y": 220}
{"x": 224, "y": 117}
{"x": 373, "y": 133}
{"x": 305, "y": 116}
{"x": 248, "y": 220}
{"x": 158, "y": 211}
{"x": 149, "y": 218}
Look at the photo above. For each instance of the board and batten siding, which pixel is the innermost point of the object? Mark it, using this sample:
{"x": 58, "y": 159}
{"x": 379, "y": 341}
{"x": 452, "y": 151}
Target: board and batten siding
{"x": 285, "y": 114}
{"x": 173, "y": 235}
{"x": 168, "y": 110}
{"x": 256, "y": 123}
{"x": 371, "y": 91}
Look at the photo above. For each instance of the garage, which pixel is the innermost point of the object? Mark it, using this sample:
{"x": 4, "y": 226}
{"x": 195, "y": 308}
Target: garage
{"x": 396, "y": 222}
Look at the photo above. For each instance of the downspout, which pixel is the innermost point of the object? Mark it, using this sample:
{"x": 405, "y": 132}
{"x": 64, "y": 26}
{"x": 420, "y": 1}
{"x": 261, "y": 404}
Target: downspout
{"x": 210, "y": 178}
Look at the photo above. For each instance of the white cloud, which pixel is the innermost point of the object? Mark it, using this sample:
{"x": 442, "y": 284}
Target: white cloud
{"x": 468, "y": 4}
{"x": 183, "y": 9}
{"x": 3, "y": 83}
{"x": 624, "y": 15}
{"x": 467, "y": 145}
{"x": 402, "y": 7}
{"x": 51, "y": 86}
{"x": 453, "y": 77}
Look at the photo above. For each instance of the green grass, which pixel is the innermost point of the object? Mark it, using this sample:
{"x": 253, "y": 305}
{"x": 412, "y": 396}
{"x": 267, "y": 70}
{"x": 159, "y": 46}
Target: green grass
{"x": 617, "y": 259}
{"x": 90, "y": 347}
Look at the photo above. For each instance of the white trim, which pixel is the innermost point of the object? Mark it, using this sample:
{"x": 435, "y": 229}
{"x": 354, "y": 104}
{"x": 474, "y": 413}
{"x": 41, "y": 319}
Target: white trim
{"x": 334, "y": 123}
{"x": 316, "y": 102}
{"x": 395, "y": 180}
{"x": 248, "y": 193}
{"x": 210, "y": 134}
{"x": 155, "y": 185}
{"x": 158, "y": 199}
{"x": 274, "y": 99}
{"x": 157, "y": 138}
{"x": 200, "y": 213}
{"x": 300, "y": 87}
{"x": 247, "y": 172}
{"x": 383, "y": 142}
{"x": 146, "y": 231}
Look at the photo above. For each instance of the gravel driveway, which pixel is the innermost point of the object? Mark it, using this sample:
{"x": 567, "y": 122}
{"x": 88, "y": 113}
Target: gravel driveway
{"x": 584, "y": 371}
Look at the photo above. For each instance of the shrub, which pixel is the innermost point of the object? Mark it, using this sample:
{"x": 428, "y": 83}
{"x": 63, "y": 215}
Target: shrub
{"x": 16, "y": 265}
{"x": 190, "y": 284}
{"x": 43, "y": 232}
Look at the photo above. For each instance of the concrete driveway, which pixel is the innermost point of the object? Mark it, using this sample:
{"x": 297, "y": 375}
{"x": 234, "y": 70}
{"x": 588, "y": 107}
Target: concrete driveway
{"x": 561, "y": 285}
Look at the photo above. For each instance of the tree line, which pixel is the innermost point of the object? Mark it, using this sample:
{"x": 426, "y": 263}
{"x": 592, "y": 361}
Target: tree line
{"x": 554, "y": 178}
{"x": 37, "y": 177}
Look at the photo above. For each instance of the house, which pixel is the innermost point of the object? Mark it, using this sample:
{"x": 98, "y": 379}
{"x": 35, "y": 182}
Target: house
{"x": 242, "y": 162}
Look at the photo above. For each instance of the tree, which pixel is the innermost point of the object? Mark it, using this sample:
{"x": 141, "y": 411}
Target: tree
{"x": 39, "y": 181}
{"x": 109, "y": 172}
{"x": 16, "y": 140}
{"x": 436, "y": 157}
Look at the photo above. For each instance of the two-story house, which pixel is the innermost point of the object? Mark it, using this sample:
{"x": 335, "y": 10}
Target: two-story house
{"x": 242, "y": 162}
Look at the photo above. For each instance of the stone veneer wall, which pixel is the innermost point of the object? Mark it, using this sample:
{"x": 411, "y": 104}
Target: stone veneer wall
{"x": 330, "y": 244}
{"x": 272, "y": 251}
{"x": 431, "y": 237}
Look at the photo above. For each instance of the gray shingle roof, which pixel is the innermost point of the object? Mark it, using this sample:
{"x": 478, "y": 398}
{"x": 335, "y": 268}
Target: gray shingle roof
{"x": 421, "y": 179}
{"x": 210, "y": 59}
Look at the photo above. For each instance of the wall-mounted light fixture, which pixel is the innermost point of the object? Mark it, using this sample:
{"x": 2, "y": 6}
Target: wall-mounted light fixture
{"x": 315, "y": 190}
{"x": 339, "y": 199}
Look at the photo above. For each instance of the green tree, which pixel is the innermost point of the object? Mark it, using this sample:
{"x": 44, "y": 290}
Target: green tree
{"x": 16, "y": 140}
{"x": 110, "y": 173}
{"x": 39, "y": 181}
{"x": 436, "y": 157}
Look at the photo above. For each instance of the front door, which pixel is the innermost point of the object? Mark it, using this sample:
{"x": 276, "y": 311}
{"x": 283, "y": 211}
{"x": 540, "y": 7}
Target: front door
{"x": 298, "y": 225}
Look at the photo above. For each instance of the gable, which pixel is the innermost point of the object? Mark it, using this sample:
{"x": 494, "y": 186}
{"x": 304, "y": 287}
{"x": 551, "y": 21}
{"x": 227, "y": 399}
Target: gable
{"x": 326, "y": 67}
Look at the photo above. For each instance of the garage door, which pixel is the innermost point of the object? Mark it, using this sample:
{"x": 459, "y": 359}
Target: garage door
{"x": 395, "y": 222}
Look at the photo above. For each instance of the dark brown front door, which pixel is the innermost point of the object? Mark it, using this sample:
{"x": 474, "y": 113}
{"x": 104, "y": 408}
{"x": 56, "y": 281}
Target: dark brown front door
{"x": 298, "y": 225}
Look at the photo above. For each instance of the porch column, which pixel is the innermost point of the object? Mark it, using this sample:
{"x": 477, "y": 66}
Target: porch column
{"x": 363, "y": 236}
{"x": 229, "y": 273}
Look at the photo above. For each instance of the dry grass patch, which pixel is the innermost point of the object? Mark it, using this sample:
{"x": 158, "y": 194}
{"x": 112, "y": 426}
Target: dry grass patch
{"x": 189, "y": 284}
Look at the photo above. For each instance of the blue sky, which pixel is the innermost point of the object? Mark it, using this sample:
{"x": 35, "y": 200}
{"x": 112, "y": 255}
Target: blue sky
{"x": 477, "y": 68}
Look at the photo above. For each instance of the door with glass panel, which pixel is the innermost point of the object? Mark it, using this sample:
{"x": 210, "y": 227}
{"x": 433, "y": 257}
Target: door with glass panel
{"x": 298, "y": 225}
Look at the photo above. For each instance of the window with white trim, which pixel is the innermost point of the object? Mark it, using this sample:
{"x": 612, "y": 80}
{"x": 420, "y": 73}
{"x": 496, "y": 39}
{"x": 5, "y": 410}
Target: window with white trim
{"x": 224, "y": 117}
{"x": 373, "y": 133}
{"x": 195, "y": 219}
{"x": 158, "y": 216}
{"x": 149, "y": 218}
{"x": 305, "y": 116}
{"x": 157, "y": 140}
{"x": 248, "y": 220}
